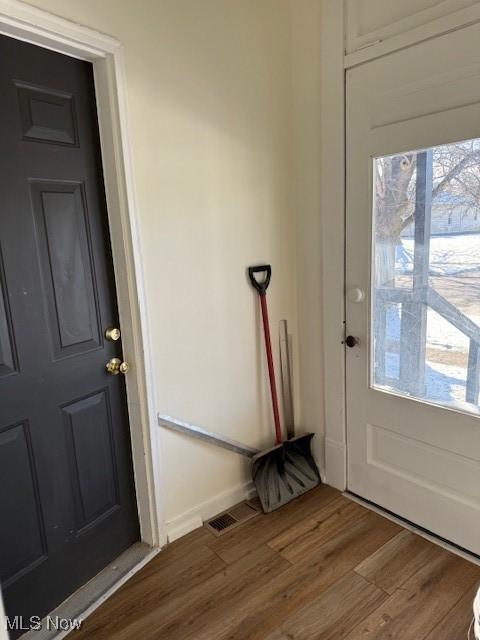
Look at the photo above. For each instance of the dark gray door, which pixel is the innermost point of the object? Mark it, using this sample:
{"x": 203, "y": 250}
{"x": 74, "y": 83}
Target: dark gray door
{"x": 67, "y": 497}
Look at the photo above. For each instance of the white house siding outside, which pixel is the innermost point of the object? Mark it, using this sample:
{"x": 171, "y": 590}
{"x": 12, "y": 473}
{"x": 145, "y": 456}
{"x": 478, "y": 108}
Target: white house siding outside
{"x": 451, "y": 214}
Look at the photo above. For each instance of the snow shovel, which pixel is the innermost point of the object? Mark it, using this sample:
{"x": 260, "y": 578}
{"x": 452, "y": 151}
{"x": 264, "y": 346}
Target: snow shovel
{"x": 288, "y": 469}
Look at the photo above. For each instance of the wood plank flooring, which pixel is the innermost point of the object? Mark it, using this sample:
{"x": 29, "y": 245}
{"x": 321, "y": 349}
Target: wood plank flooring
{"x": 320, "y": 568}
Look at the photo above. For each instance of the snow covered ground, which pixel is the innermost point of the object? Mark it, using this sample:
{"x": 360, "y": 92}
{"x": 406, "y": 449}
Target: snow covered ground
{"x": 443, "y": 381}
{"x": 449, "y": 255}
{"x": 440, "y": 333}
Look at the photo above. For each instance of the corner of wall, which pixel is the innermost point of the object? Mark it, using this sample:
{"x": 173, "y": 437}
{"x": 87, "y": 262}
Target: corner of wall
{"x": 194, "y": 518}
{"x": 306, "y": 194}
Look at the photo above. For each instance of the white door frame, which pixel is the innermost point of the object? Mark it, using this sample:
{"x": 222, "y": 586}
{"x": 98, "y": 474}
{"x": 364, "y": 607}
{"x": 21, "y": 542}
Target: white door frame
{"x": 27, "y": 23}
{"x": 332, "y": 131}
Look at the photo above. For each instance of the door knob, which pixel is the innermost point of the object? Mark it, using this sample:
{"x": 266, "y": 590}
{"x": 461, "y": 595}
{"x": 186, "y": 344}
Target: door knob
{"x": 112, "y": 334}
{"x": 351, "y": 341}
{"x": 356, "y": 295}
{"x": 116, "y": 366}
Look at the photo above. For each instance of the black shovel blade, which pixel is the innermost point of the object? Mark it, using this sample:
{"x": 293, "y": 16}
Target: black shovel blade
{"x": 284, "y": 472}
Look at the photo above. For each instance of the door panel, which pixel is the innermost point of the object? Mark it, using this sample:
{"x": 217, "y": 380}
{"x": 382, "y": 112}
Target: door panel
{"x": 94, "y": 478}
{"x": 65, "y": 251}
{"x": 8, "y": 356}
{"x": 22, "y": 530}
{"x": 405, "y": 453}
{"x": 67, "y": 492}
{"x": 46, "y": 114}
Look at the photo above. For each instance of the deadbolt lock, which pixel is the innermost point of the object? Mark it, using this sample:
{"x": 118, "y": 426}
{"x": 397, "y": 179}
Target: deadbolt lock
{"x": 112, "y": 334}
{"x": 116, "y": 366}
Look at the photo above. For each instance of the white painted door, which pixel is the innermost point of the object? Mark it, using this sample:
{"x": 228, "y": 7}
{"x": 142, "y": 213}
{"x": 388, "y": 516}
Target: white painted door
{"x": 413, "y": 284}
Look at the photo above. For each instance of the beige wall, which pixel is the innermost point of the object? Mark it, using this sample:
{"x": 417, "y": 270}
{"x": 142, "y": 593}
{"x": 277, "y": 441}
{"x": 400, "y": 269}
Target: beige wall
{"x": 211, "y": 115}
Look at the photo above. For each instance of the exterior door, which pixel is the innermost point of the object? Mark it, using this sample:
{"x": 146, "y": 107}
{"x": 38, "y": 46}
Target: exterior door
{"x": 67, "y": 496}
{"x": 413, "y": 284}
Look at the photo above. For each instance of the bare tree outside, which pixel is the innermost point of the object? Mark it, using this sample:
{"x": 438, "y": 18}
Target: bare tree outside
{"x": 456, "y": 169}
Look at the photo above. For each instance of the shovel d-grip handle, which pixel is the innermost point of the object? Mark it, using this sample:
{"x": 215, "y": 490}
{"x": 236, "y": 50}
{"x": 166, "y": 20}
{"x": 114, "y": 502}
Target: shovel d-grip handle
{"x": 261, "y": 288}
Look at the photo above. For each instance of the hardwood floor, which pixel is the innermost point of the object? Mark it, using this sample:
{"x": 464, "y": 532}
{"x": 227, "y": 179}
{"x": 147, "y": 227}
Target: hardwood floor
{"x": 320, "y": 568}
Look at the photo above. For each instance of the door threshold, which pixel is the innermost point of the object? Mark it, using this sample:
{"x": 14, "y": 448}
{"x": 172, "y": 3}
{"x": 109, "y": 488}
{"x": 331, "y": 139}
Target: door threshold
{"x": 85, "y": 600}
{"x": 406, "y": 524}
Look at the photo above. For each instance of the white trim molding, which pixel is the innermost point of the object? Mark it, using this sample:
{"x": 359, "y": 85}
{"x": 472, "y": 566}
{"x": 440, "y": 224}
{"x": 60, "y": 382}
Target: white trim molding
{"x": 21, "y": 21}
{"x": 333, "y": 236}
{"x": 194, "y": 518}
{"x": 336, "y": 457}
{"x": 429, "y": 22}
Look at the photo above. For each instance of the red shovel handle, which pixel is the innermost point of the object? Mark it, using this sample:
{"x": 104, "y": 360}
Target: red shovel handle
{"x": 271, "y": 370}
{"x": 262, "y": 292}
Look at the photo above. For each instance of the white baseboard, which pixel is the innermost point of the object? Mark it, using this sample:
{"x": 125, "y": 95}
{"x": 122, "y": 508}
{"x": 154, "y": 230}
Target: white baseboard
{"x": 195, "y": 517}
{"x": 336, "y": 464}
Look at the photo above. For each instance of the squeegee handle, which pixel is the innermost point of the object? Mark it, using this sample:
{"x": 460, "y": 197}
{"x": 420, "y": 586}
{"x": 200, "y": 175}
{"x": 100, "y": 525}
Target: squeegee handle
{"x": 261, "y": 287}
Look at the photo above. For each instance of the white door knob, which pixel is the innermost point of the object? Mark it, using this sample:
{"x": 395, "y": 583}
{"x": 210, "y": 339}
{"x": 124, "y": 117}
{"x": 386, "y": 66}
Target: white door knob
{"x": 356, "y": 295}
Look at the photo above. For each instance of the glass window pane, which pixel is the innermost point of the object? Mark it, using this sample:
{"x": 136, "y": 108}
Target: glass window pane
{"x": 446, "y": 360}
{"x": 426, "y": 274}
